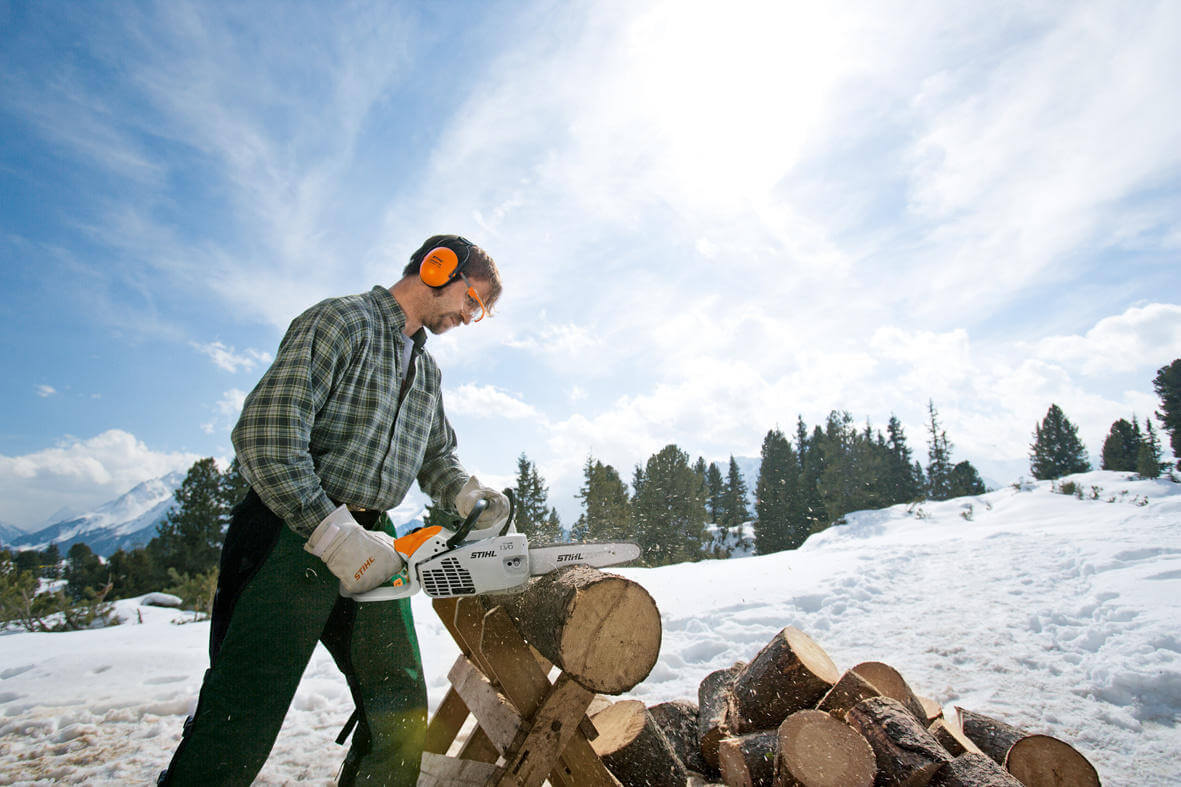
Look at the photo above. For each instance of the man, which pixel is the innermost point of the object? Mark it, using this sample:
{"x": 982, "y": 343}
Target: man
{"x": 348, "y": 416}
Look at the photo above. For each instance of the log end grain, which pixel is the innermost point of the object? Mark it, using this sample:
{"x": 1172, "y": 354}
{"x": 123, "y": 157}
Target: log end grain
{"x": 891, "y": 684}
{"x": 611, "y": 638}
{"x": 845, "y": 693}
{"x": 817, "y": 750}
{"x": 1045, "y": 761}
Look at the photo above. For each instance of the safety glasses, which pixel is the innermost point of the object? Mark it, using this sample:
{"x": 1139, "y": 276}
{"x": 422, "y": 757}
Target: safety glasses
{"x": 473, "y": 303}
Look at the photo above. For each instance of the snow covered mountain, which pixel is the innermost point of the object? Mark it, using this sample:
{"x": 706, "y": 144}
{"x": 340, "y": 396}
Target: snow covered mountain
{"x": 9, "y": 534}
{"x": 128, "y": 521}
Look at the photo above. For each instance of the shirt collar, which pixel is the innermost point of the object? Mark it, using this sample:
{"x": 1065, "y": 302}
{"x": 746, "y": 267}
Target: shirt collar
{"x": 386, "y": 300}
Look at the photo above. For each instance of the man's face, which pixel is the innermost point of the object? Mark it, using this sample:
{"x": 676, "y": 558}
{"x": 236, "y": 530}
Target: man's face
{"x": 452, "y": 306}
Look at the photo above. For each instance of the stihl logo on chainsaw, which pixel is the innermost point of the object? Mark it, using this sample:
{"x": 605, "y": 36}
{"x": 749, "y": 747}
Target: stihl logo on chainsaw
{"x": 570, "y": 557}
{"x": 362, "y": 569}
{"x": 484, "y": 553}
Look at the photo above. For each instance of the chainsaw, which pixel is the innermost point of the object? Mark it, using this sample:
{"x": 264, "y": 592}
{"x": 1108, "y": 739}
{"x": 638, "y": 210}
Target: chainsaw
{"x": 443, "y": 565}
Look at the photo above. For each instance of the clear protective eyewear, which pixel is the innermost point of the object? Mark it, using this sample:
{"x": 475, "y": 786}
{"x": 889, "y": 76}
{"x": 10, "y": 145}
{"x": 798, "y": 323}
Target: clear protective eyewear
{"x": 473, "y": 303}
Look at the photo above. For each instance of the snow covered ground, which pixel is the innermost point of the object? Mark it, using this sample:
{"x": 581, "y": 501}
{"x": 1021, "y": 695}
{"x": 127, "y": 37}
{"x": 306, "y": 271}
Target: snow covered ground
{"x": 1054, "y": 613}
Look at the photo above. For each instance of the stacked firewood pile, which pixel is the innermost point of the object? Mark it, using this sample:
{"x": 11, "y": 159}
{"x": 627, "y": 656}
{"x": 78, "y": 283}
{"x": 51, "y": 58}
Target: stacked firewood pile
{"x": 791, "y": 718}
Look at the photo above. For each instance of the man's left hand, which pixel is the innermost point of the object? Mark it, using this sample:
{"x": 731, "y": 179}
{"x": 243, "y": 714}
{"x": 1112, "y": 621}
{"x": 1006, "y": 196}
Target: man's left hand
{"x": 494, "y": 515}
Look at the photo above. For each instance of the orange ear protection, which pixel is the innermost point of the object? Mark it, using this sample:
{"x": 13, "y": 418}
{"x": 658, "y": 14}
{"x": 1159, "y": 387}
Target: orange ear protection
{"x": 442, "y": 265}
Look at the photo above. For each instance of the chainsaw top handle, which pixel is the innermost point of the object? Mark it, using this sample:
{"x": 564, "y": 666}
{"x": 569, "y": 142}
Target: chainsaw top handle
{"x": 466, "y": 526}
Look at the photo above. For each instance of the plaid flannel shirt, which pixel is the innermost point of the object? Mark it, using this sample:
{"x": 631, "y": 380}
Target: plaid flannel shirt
{"x": 324, "y": 422}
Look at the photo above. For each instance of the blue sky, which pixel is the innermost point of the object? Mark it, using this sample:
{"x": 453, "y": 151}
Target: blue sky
{"x": 709, "y": 217}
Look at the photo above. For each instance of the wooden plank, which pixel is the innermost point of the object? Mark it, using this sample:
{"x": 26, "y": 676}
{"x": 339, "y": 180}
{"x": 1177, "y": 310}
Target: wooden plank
{"x": 496, "y": 716}
{"x": 465, "y": 631}
{"x": 553, "y": 726}
{"x": 444, "y": 771}
{"x": 521, "y": 679}
{"x": 446, "y": 723}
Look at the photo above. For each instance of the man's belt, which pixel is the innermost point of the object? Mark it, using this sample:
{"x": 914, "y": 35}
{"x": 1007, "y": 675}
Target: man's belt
{"x": 366, "y": 517}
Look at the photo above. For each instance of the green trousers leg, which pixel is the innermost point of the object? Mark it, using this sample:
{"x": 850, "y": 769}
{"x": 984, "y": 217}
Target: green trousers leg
{"x": 289, "y": 604}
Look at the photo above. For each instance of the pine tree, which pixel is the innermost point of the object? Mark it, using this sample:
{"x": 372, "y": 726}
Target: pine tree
{"x": 1148, "y": 455}
{"x": 606, "y": 507}
{"x": 938, "y": 457}
{"x": 1121, "y": 448}
{"x": 669, "y": 508}
{"x": 533, "y": 511}
{"x": 84, "y": 570}
{"x": 190, "y": 537}
{"x": 1056, "y": 449}
{"x": 903, "y": 485}
{"x": 735, "y": 510}
{"x": 965, "y": 480}
{"x": 1167, "y": 385}
{"x": 781, "y": 523}
{"x": 715, "y": 487}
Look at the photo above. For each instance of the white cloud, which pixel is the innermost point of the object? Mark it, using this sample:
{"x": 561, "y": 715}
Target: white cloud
{"x": 230, "y": 359}
{"x": 487, "y": 401}
{"x": 226, "y": 411}
{"x": 46, "y": 391}
{"x": 80, "y": 473}
{"x": 1142, "y": 336}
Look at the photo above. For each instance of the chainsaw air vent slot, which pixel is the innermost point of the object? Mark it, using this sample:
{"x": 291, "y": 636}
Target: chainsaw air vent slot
{"x": 447, "y": 578}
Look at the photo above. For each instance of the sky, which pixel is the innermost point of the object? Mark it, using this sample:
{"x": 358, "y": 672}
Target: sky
{"x": 710, "y": 219}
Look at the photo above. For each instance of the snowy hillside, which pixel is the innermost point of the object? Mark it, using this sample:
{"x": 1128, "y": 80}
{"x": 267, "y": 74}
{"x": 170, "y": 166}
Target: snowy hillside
{"x": 1055, "y": 613}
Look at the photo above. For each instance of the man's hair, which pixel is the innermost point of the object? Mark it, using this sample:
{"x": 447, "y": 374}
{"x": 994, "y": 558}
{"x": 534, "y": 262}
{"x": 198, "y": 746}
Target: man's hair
{"x": 479, "y": 264}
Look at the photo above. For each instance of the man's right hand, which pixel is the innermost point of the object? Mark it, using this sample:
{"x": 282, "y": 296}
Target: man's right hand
{"x": 363, "y": 559}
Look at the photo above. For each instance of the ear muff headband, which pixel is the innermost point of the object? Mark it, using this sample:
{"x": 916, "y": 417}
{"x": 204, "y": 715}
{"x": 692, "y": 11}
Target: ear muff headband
{"x": 442, "y": 265}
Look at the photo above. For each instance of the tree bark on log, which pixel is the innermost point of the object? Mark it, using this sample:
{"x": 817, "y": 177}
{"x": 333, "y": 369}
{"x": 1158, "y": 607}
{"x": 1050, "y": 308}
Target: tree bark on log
{"x": 890, "y": 683}
{"x": 634, "y": 748}
{"x": 748, "y": 760}
{"x": 845, "y": 693}
{"x": 906, "y": 753}
{"x": 1045, "y": 761}
{"x": 817, "y": 750}
{"x": 973, "y": 769}
{"x": 994, "y": 737}
{"x": 678, "y": 721}
{"x": 790, "y": 673}
{"x": 713, "y": 706}
{"x": 603, "y": 630}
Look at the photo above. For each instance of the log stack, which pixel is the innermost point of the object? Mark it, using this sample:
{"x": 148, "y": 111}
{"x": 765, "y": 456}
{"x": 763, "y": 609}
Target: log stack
{"x": 790, "y": 718}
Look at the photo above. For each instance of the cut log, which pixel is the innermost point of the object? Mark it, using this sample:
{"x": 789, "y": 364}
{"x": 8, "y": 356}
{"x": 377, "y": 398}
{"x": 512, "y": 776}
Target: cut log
{"x": 790, "y": 673}
{"x": 748, "y": 760}
{"x": 932, "y": 708}
{"x": 906, "y": 753}
{"x": 891, "y": 684}
{"x": 972, "y": 769}
{"x": 634, "y": 748}
{"x": 678, "y": 721}
{"x": 713, "y": 707}
{"x": 994, "y": 737}
{"x": 602, "y": 630}
{"x": 1044, "y": 761}
{"x": 845, "y": 693}
{"x": 817, "y": 750}
{"x": 952, "y": 738}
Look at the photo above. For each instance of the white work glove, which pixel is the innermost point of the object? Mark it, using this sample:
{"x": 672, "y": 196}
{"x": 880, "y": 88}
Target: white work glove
{"x": 494, "y": 515}
{"x": 363, "y": 559}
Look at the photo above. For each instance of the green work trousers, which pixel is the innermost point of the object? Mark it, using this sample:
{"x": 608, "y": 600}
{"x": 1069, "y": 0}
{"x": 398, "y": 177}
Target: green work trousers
{"x": 275, "y": 601}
